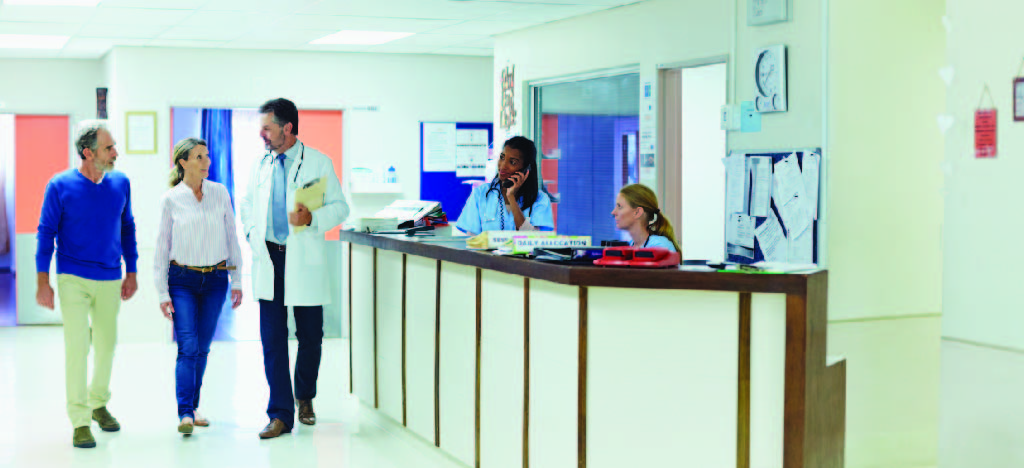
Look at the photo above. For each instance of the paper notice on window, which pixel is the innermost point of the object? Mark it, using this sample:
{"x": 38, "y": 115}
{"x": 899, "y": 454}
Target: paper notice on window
{"x": 439, "y": 147}
{"x": 772, "y": 240}
{"x": 736, "y": 184}
{"x": 810, "y": 174}
{"x": 740, "y": 230}
{"x": 761, "y": 171}
{"x": 801, "y": 248}
{"x": 789, "y": 195}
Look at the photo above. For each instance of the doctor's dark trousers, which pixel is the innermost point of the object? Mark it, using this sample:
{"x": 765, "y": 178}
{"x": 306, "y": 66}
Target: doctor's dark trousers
{"x": 309, "y": 329}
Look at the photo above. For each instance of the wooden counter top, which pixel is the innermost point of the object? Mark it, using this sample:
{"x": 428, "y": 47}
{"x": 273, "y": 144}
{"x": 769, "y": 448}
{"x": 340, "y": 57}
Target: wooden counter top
{"x": 454, "y": 250}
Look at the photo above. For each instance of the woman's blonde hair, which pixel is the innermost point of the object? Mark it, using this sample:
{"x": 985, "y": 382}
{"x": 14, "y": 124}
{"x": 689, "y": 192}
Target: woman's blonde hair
{"x": 181, "y": 152}
{"x": 641, "y": 196}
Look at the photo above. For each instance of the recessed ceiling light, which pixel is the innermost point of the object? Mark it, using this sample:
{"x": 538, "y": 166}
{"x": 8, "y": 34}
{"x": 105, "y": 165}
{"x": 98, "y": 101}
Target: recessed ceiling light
{"x": 85, "y": 3}
{"x": 361, "y": 37}
{"x": 29, "y": 41}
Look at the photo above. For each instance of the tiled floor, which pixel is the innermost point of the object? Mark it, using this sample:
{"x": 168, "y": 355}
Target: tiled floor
{"x": 37, "y": 432}
{"x": 892, "y": 407}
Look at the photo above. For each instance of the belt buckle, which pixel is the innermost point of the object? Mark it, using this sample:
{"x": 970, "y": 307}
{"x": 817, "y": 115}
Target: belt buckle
{"x": 206, "y": 269}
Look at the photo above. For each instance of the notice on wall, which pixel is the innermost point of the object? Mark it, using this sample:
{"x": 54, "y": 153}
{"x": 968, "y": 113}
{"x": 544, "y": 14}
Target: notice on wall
{"x": 740, "y": 230}
{"x": 772, "y": 240}
{"x": 789, "y": 195}
{"x": 801, "y": 247}
{"x": 735, "y": 184}
{"x": 811, "y": 174}
{"x": 471, "y": 153}
{"x": 141, "y": 132}
{"x": 761, "y": 170}
{"x": 985, "y": 133}
{"x": 439, "y": 147}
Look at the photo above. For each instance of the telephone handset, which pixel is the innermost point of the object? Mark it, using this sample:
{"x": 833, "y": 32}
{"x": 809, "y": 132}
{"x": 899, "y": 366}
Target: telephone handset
{"x": 508, "y": 182}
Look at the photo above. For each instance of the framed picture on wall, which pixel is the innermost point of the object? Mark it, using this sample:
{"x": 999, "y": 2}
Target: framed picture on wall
{"x": 1018, "y": 99}
{"x": 140, "y": 132}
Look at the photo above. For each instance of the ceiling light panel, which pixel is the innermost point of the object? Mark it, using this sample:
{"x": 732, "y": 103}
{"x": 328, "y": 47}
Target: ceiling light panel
{"x": 361, "y": 37}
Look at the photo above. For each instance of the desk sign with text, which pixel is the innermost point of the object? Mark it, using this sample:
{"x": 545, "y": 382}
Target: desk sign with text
{"x": 489, "y": 240}
{"x": 526, "y": 244}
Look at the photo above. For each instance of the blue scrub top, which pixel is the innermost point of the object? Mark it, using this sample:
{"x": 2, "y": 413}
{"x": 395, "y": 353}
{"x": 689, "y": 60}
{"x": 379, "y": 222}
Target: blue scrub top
{"x": 483, "y": 212}
{"x": 658, "y": 241}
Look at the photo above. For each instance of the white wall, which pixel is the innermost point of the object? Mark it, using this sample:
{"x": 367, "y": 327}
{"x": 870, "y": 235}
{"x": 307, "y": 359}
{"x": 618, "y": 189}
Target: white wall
{"x": 983, "y": 328}
{"x": 406, "y": 88}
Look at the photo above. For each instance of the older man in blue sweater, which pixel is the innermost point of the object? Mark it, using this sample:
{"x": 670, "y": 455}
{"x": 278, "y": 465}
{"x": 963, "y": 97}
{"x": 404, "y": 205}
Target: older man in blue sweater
{"x": 88, "y": 211}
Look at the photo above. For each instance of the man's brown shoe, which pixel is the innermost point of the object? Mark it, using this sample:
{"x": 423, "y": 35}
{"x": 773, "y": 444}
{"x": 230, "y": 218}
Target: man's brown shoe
{"x": 83, "y": 438}
{"x": 306, "y": 414}
{"x": 105, "y": 420}
{"x": 274, "y": 429}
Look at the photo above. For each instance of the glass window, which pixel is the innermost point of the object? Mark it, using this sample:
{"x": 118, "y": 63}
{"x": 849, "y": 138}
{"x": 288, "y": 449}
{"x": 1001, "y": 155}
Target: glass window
{"x": 589, "y": 141}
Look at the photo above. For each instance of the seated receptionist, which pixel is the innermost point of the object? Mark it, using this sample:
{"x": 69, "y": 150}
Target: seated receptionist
{"x": 636, "y": 211}
{"x": 513, "y": 201}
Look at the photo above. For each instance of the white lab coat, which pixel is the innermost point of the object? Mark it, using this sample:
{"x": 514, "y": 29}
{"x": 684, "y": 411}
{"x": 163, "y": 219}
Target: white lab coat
{"x": 307, "y": 280}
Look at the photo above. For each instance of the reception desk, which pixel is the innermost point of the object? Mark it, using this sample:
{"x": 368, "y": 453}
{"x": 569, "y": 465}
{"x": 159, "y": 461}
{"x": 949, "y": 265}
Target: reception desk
{"x": 510, "y": 363}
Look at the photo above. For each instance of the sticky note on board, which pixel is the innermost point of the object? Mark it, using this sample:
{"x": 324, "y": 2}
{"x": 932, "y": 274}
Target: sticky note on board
{"x": 750, "y": 118}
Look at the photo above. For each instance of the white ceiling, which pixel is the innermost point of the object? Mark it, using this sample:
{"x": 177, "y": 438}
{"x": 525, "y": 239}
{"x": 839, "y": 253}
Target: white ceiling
{"x": 451, "y": 27}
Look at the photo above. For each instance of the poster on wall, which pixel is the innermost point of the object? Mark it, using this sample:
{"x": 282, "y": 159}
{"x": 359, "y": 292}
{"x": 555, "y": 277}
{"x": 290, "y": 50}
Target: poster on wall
{"x": 141, "y": 132}
{"x": 507, "y": 119}
{"x": 438, "y": 147}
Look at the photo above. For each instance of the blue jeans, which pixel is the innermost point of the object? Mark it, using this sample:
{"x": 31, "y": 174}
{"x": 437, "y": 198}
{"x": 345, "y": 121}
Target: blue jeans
{"x": 198, "y": 299}
{"x": 309, "y": 330}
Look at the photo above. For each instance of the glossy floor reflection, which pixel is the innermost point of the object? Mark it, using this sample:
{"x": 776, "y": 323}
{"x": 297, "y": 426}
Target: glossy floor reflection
{"x": 36, "y": 431}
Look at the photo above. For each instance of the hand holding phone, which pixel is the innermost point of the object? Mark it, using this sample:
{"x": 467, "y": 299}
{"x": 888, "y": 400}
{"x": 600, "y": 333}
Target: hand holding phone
{"x": 515, "y": 181}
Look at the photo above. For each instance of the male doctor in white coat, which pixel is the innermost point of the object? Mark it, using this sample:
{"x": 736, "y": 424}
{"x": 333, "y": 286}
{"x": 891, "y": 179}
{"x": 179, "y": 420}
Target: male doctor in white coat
{"x": 288, "y": 267}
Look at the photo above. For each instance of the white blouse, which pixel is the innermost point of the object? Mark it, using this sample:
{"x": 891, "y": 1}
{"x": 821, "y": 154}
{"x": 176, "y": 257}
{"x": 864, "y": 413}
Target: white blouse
{"x": 196, "y": 233}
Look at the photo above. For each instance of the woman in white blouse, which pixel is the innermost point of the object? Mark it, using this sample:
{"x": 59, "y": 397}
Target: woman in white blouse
{"x": 196, "y": 248}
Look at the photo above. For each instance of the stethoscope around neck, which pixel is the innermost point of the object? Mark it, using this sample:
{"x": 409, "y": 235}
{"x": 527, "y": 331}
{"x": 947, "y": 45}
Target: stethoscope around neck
{"x": 302, "y": 157}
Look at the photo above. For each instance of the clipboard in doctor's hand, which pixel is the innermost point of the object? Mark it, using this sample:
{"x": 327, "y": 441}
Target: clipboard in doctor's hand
{"x": 311, "y": 194}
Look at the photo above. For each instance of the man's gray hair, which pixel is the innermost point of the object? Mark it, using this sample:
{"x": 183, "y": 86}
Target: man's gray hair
{"x": 88, "y": 136}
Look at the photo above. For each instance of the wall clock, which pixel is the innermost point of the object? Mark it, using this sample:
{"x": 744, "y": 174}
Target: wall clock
{"x": 770, "y": 79}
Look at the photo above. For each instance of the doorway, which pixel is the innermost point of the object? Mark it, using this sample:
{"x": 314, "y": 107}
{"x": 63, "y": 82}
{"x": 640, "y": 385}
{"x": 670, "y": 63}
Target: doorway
{"x": 694, "y": 145}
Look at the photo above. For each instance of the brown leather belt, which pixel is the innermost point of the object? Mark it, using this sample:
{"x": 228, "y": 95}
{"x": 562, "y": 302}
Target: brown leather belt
{"x": 220, "y": 266}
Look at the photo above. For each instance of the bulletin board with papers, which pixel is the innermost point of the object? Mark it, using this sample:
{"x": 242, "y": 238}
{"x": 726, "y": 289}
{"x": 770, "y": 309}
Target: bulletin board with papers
{"x": 772, "y": 206}
{"x": 451, "y": 155}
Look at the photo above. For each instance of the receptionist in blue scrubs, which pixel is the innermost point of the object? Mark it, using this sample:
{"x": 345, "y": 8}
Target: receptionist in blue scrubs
{"x": 513, "y": 201}
{"x": 636, "y": 211}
